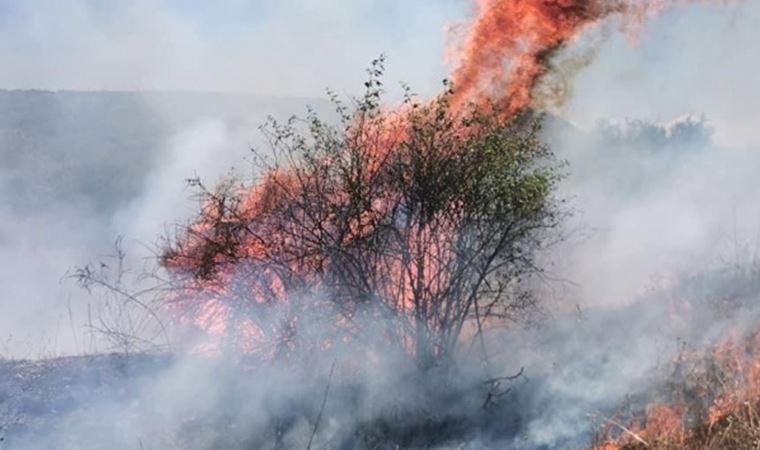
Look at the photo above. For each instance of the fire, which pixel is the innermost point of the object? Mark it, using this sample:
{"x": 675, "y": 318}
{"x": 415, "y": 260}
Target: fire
{"x": 724, "y": 388}
{"x": 509, "y": 45}
{"x": 223, "y": 258}
{"x": 739, "y": 360}
{"x": 498, "y": 65}
{"x": 506, "y": 51}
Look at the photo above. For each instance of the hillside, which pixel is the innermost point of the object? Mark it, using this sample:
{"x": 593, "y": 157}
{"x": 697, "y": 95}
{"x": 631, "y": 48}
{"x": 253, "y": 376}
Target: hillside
{"x": 95, "y": 148}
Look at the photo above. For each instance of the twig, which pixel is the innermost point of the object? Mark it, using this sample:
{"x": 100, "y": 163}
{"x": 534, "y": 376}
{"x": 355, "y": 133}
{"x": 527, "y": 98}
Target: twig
{"x": 494, "y": 384}
{"x": 322, "y": 407}
{"x": 507, "y": 378}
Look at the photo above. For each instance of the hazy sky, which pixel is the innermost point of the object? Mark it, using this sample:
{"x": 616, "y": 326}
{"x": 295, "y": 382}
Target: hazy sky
{"x": 692, "y": 60}
{"x": 696, "y": 59}
{"x": 291, "y": 47}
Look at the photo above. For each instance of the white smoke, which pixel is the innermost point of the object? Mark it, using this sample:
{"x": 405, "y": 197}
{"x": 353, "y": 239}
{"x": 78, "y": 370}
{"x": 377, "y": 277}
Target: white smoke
{"x": 657, "y": 197}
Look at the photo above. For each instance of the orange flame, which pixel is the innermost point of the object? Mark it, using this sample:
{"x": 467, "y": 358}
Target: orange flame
{"x": 730, "y": 386}
{"x": 499, "y": 64}
{"x": 509, "y": 44}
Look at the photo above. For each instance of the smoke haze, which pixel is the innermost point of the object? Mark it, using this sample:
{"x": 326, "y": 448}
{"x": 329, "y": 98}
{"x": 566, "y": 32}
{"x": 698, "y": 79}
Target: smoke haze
{"x": 660, "y": 138}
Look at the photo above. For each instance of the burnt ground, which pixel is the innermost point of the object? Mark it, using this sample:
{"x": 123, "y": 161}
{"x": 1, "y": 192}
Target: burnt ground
{"x": 35, "y": 394}
{"x": 146, "y": 401}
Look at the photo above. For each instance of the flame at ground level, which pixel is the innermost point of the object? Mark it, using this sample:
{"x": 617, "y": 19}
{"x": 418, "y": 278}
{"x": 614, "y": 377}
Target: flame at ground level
{"x": 714, "y": 403}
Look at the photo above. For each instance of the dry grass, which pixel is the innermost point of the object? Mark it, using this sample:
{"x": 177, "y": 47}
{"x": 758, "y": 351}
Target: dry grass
{"x": 739, "y": 430}
{"x": 710, "y": 400}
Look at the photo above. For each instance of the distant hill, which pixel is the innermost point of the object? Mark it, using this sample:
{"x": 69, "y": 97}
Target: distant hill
{"x": 92, "y": 149}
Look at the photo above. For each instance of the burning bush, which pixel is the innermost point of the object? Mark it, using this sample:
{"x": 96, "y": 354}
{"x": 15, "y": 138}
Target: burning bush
{"x": 424, "y": 219}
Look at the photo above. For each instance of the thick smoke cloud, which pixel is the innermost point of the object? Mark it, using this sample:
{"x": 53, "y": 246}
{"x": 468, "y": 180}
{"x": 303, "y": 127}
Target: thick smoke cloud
{"x": 664, "y": 231}
{"x": 653, "y": 200}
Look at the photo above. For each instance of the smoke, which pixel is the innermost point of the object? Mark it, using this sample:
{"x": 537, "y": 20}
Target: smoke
{"x": 674, "y": 71}
{"x": 656, "y": 198}
{"x": 78, "y": 169}
{"x": 663, "y": 238}
{"x": 82, "y": 169}
{"x": 657, "y": 201}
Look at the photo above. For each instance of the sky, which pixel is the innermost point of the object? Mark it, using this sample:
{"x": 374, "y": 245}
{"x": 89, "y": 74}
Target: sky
{"x": 302, "y": 47}
{"x": 699, "y": 60}
{"x": 292, "y": 47}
